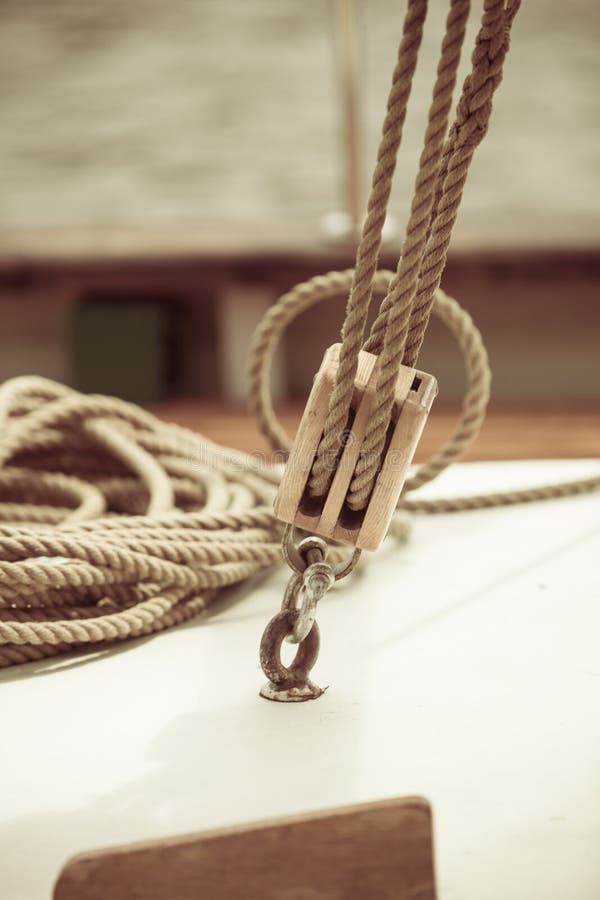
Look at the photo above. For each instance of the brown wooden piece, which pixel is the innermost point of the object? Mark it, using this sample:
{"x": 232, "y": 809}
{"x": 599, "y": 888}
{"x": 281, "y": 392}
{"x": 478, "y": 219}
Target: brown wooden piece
{"x": 415, "y": 392}
{"x": 532, "y": 432}
{"x": 375, "y": 851}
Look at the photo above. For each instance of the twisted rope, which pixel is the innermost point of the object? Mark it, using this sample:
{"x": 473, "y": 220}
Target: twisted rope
{"x": 478, "y": 376}
{"x": 117, "y": 525}
{"x": 368, "y": 250}
{"x": 472, "y": 121}
{"x": 398, "y": 303}
{"x": 403, "y": 287}
{"x": 421, "y": 265}
{"x": 150, "y": 522}
{"x": 83, "y": 562}
{"x": 398, "y": 330}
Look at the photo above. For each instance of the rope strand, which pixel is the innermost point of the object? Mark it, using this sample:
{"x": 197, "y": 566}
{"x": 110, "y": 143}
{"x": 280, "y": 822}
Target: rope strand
{"x": 404, "y": 285}
{"x": 368, "y": 251}
{"x": 420, "y": 268}
{"x": 472, "y": 121}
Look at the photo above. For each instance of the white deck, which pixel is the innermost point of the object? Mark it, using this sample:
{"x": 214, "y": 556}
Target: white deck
{"x": 463, "y": 667}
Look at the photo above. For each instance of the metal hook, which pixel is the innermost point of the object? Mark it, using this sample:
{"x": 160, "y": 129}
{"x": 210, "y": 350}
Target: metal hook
{"x": 289, "y": 683}
{"x": 312, "y": 576}
{"x": 312, "y": 585}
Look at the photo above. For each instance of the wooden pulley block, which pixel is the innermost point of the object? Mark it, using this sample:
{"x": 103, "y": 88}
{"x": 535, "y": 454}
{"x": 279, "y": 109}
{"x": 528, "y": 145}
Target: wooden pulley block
{"x": 330, "y": 516}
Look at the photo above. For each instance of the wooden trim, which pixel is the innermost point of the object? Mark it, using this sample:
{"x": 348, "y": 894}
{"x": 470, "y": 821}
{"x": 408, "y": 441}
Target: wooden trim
{"x": 302, "y": 241}
{"x": 380, "y": 850}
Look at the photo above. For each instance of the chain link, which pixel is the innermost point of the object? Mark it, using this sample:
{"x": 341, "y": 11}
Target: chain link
{"x": 312, "y": 576}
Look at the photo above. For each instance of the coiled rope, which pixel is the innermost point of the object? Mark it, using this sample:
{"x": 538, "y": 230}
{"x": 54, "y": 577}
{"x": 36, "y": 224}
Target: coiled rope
{"x": 115, "y": 525}
{"x": 120, "y": 525}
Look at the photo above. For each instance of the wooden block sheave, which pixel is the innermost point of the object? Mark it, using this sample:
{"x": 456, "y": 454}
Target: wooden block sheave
{"x": 331, "y": 517}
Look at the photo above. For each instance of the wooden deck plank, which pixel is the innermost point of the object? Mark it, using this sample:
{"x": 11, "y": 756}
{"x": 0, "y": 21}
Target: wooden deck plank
{"x": 508, "y": 433}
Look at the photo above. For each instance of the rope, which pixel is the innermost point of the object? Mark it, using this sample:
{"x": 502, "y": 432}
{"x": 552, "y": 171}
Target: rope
{"x": 398, "y": 330}
{"x": 121, "y": 525}
{"x": 335, "y": 284}
{"x": 115, "y": 525}
{"x": 369, "y": 246}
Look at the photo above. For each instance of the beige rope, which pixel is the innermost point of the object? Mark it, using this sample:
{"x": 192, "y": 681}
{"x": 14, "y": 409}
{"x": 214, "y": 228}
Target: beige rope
{"x": 368, "y": 250}
{"x": 374, "y": 344}
{"x": 421, "y": 265}
{"x": 82, "y": 561}
{"x": 440, "y": 180}
{"x": 402, "y": 289}
{"x": 117, "y": 525}
{"x": 472, "y": 121}
{"x": 147, "y": 522}
{"x": 335, "y": 284}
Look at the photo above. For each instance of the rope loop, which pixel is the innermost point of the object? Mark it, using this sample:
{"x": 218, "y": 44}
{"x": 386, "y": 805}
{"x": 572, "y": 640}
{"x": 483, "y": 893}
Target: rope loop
{"x": 331, "y": 286}
{"x": 478, "y": 381}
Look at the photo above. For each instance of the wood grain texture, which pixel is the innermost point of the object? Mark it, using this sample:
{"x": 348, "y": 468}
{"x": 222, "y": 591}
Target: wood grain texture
{"x": 366, "y": 528}
{"x": 309, "y": 433}
{"x": 412, "y": 410}
{"x": 362, "y": 402}
{"x": 375, "y": 851}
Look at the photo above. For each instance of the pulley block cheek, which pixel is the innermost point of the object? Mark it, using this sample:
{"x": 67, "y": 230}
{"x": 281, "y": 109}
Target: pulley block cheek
{"x": 330, "y": 516}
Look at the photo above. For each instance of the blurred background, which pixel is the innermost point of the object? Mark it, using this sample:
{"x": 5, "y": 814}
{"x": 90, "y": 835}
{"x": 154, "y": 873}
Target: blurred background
{"x": 169, "y": 169}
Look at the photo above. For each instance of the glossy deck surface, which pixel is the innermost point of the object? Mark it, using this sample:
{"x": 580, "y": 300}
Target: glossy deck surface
{"x": 462, "y": 667}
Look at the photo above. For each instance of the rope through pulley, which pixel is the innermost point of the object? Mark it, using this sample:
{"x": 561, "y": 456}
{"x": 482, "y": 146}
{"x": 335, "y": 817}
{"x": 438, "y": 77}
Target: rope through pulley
{"x": 368, "y": 394}
{"x": 398, "y": 331}
{"x": 368, "y": 404}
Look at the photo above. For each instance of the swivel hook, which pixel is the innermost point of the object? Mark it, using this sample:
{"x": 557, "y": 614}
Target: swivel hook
{"x": 312, "y": 576}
